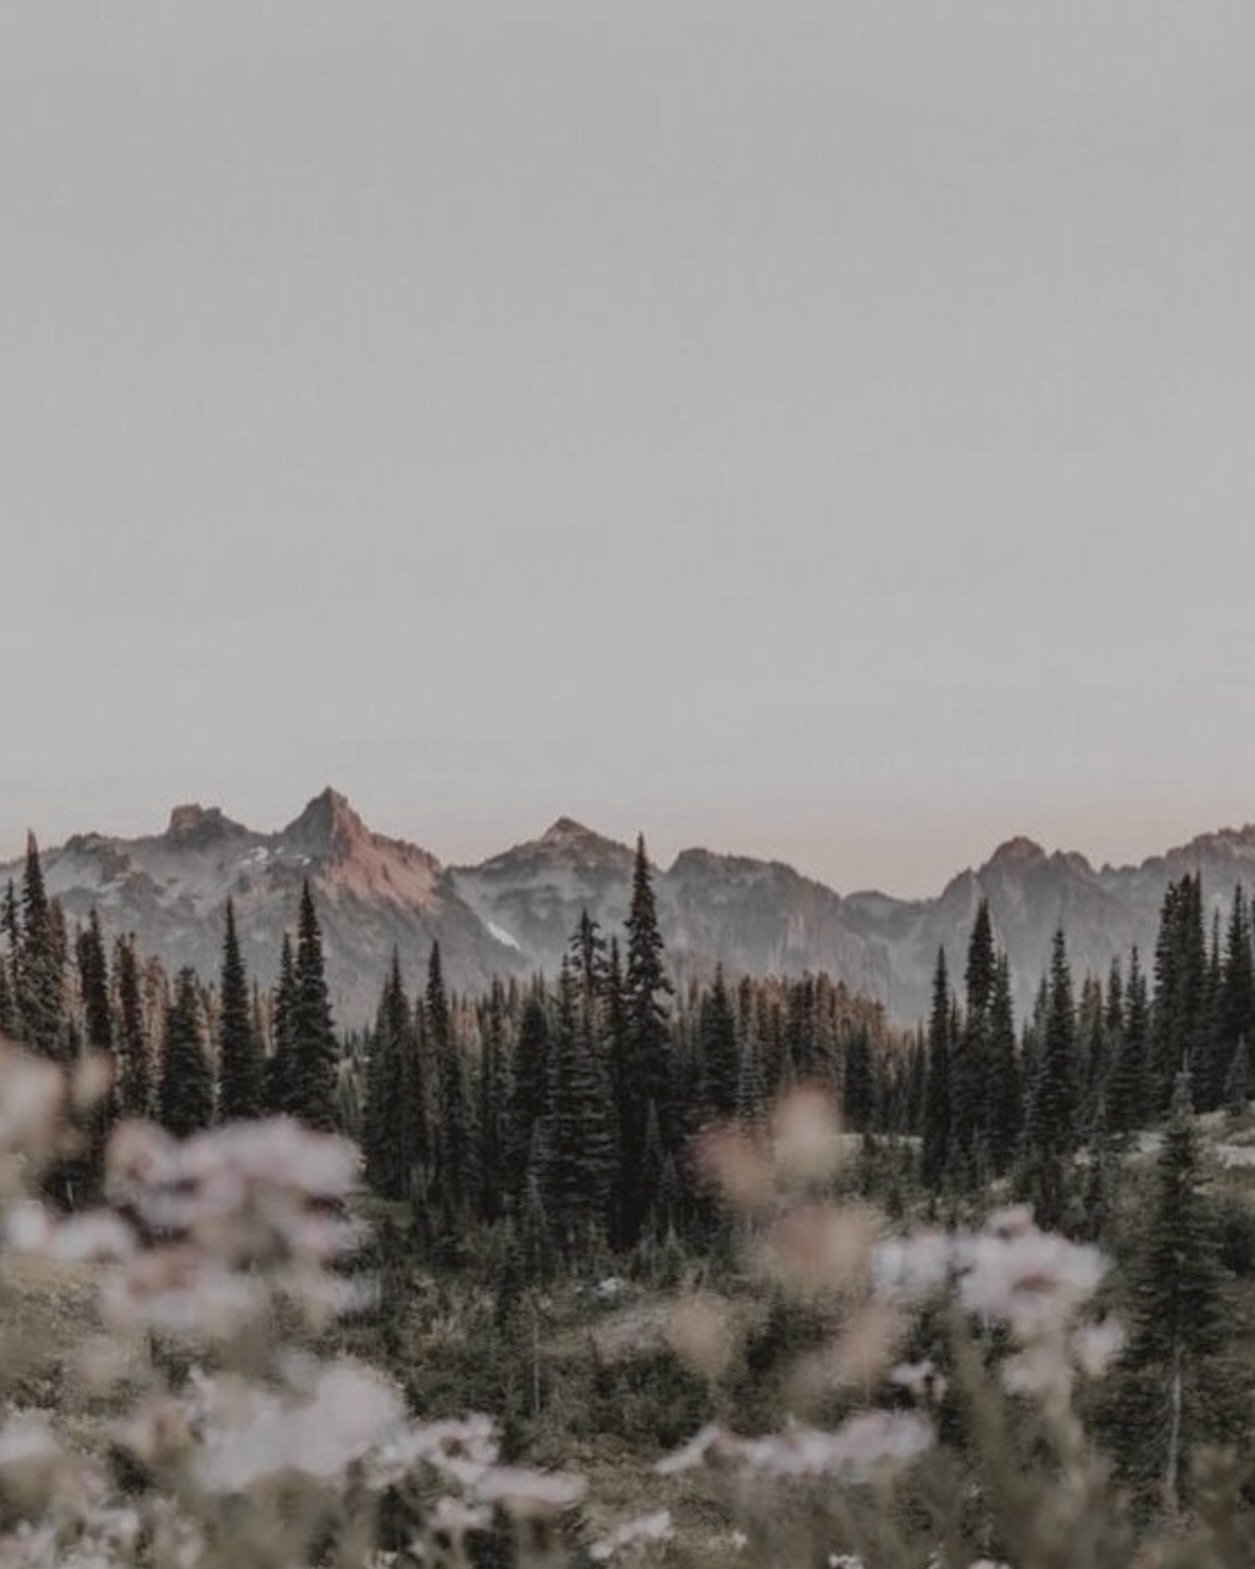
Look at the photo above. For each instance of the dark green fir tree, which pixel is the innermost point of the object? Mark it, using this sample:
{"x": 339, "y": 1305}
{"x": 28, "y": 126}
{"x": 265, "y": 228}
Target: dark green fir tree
{"x": 1172, "y": 1391}
{"x": 313, "y": 1054}
{"x": 937, "y": 1092}
{"x": 719, "y": 1054}
{"x": 186, "y": 1090}
{"x": 240, "y": 1078}
{"x": 1052, "y": 1133}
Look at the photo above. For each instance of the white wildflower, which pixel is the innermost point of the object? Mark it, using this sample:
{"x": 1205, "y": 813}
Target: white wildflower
{"x": 527, "y": 1493}
{"x": 644, "y": 1531}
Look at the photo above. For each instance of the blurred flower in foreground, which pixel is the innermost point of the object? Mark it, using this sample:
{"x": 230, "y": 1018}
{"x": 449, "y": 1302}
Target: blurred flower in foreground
{"x": 644, "y": 1531}
{"x": 860, "y": 1446}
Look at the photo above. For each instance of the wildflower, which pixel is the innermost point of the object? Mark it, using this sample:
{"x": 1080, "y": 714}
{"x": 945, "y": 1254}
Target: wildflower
{"x": 644, "y": 1531}
{"x": 454, "y": 1519}
{"x": 27, "y": 1444}
{"x": 861, "y": 1445}
{"x": 177, "y": 1290}
{"x": 710, "y": 1439}
{"x": 921, "y": 1379}
{"x": 99, "y": 1235}
{"x": 736, "y": 1163}
{"x": 815, "y": 1248}
{"x": 1031, "y": 1279}
{"x": 530, "y": 1494}
{"x": 807, "y": 1137}
{"x": 251, "y": 1434}
{"x": 698, "y": 1332}
{"x": 1096, "y": 1346}
{"x": 32, "y": 1103}
{"x": 913, "y": 1267}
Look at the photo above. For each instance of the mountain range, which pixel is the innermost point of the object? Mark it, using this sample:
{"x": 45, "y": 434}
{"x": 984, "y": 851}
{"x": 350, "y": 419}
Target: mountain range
{"x": 512, "y": 914}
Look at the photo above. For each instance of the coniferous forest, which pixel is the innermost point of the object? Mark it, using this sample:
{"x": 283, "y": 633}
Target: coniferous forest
{"x": 612, "y": 1213}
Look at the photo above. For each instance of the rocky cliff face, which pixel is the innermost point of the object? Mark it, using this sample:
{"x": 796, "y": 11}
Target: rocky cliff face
{"x": 512, "y": 914}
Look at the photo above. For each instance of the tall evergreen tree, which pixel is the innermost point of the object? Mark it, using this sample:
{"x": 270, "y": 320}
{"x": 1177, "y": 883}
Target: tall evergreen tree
{"x": 1128, "y": 1088}
{"x": 280, "y": 1065}
{"x": 529, "y": 1095}
{"x": 39, "y": 977}
{"x": 11, "y": 921}
{"x": 647, "y": 1068}
{"x": 720, "y": 1056}
{"x": 588, "y": 955}
{"x": 314, "y": 1054}
{"x": 751, "y": 1086}
{"x": 969, "y": 1066}
{"x": 581, "y": 1150}
{"x": 241, "y": 1087}
{"x": 394, "y": 1124}
{"x": 494, "y": 1109}
{"x": 1004, "y": 1105}
{"x": 858, "y": 1097}
{"x": 93, "y": 976}
{"x": 1180, "y": 980}
{"x": 1172, "y": 1393}
{"x": 1235, "y": 1004}
{"x": 937, "y": 1092}
{"x": 133, "y": 1086}
{"x": 186, "y": 1090}
{"x": 8, "y": 1003}
{"x": 1051, "y": 1132}
{"x": 454, "y": 1151}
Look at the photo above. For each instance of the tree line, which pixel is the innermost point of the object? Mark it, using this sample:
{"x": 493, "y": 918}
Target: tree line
{"x": 568, "y": 1105}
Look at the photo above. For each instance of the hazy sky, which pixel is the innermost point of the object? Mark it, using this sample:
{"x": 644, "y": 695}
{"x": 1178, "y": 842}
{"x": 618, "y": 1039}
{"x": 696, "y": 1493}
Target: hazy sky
{"x": 820, "y": 431}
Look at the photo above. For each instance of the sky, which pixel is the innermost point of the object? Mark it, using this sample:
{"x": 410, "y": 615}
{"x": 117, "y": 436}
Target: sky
{"x": 817, "y": 431}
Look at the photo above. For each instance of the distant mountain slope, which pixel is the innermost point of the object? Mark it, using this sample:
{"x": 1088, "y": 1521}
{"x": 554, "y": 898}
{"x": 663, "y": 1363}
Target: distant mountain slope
{"x": 512, "y": 914}
{"x": 374, "y": 893}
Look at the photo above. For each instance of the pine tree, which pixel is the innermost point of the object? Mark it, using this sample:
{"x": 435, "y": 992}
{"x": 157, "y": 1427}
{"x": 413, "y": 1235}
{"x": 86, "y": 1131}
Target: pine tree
{"x": 454, "y": 1154}
{"x": 1171, "y": 1393}
{"x": 1101, "y": 1175}
{"x": 1005, "y": 1100}
{"x": 1128, "y": 1089}
{"x": 646, "y": 1078}
{"x": 587, "y": 951}
{"x": 11, "y": 922}
{"x": 494, "y": 1109}
{"x": 653, "y": 1172}
{"x": 314, "y": 1054}
{"x": 581, "y": 1153}
{"x": 937, "y": 1095}
{"x": 1051, "y": 1132}
{"x": 134, "y": 1089}
{"x": 751, "y": 1086}
{"x": 1180, "y": 980}
{"x": 530, "y": 1090}
{"x": 1092, "y": 1039}
{"x": 719, "y": 1055}
{"x": 8, "y": 1004}
{"x": 93, "y": 974}
{"x": 858, "y": 1090}
{"x": 969, "y": 1063}
{"x": 1240, "y": 1084}
{"x": 535, "y": 1237}
{"x": 1235, "y": 1003}
{"x": 39, "y": 978}
{"x": 241, "y": 1089}
{"x": 186, "y": 1090}
{"x": 394, "y": 1122}
{"x": 279, "y": 1066}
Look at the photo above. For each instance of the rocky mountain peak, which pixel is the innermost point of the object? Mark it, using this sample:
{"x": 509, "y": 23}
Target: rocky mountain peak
{"x": 1018, "y": 851}
{"x": 566, "y": 832}
{"x": 328, "y": 828}
{"x": 195, "y": 826}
